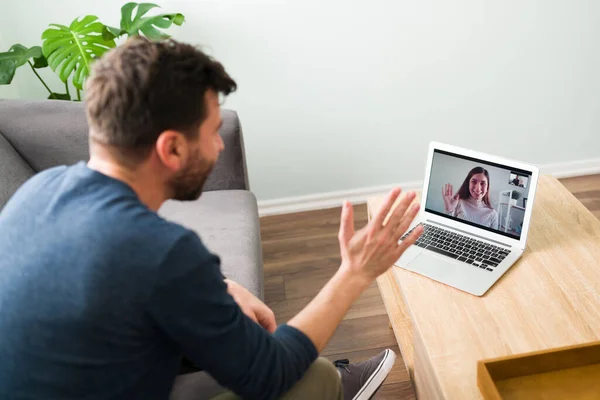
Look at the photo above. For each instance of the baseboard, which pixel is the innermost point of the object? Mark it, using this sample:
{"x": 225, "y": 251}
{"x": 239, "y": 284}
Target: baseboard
{"x": 571, "y": 168}
{"x": 321, "y": 201}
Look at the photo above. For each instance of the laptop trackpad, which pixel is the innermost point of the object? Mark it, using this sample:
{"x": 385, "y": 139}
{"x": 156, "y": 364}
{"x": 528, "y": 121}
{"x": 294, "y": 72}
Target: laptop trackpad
{"x": 432, "y": 265}
{"x": 409, "y": 256}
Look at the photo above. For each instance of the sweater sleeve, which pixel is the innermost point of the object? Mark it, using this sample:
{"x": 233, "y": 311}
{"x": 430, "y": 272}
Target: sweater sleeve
{"x": 459, "y": 211}
{"x": 191, "y": 306}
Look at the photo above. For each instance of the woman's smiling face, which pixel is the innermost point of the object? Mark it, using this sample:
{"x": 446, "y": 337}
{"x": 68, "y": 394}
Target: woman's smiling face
{"x": 478, "y": 186}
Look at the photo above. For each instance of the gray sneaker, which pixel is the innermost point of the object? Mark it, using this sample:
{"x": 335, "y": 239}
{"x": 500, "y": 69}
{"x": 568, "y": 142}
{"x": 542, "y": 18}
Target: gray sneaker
{"x": 360, "y": 381}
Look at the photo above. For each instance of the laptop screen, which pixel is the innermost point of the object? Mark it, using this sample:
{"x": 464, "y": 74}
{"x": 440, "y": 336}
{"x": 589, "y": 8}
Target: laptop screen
{"x": 478, "y": 193}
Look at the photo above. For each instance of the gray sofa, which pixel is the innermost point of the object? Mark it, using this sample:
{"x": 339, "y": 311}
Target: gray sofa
{"x": 35, "y": 135}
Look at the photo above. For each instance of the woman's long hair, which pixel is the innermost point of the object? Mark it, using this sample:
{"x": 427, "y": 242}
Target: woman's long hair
{"x": 465, "y": 193}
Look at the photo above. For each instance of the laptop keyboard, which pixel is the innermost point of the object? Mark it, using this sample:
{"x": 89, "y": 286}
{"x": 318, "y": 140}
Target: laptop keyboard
{"x": 460, "y": 247}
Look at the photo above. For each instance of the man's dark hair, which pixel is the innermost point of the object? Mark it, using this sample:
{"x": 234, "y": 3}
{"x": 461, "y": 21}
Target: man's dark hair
{"x": 142, "y": 88}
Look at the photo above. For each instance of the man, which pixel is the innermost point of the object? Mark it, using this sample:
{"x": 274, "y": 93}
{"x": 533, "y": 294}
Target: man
{"x": 101, "y": 298}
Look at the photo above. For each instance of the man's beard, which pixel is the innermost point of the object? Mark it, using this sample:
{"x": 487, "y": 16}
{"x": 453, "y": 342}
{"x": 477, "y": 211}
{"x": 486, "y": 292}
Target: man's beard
{"x": 188, "y": 184}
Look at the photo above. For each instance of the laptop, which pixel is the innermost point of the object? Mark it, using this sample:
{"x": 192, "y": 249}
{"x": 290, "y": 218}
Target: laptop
{"x": 475, "y": 210}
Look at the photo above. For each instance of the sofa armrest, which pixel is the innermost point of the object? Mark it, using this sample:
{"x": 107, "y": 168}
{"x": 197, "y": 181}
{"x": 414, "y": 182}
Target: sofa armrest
{"x": 230, "y": 171}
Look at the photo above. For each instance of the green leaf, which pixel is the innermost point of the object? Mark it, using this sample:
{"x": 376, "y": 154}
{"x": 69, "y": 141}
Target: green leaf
{"x": 21, "y": 54}
{"x": 147, "y": 25}
{"x": 143, "y": 8}
{"x": 110, "y": 33}
{"x": 12, "y": 59}
{"x": 178, "y": 19}
{"x": 40, "y": 62}
{"x": 71, "y": 50}
{"x": 7, "y": 71}
{"x": 59, "y": 96}
{"x": 126, "y": 11}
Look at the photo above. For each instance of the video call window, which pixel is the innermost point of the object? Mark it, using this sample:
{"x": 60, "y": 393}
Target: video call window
{"x": 518, "y": 180}
{"x": 478, "y": 193}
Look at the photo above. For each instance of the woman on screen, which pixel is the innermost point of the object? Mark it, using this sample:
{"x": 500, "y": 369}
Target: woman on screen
{"x": 472, "y": 202}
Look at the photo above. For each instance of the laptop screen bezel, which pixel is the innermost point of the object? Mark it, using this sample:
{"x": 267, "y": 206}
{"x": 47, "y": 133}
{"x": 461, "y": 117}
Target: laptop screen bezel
{"x": 488, "y": 159}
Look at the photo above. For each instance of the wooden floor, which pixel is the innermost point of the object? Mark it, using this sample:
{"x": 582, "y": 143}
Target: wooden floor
{"x": 301, "y": 253}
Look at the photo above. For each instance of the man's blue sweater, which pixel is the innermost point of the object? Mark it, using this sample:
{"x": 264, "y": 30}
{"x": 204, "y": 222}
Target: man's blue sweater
{"x": 100, "y": 297}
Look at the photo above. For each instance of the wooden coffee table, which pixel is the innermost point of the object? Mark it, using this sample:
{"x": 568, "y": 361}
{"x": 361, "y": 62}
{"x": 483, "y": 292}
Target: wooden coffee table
{"x": 550, "y": 298}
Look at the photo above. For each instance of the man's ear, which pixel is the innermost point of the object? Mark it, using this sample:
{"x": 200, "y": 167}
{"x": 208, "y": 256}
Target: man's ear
{"x": 172, "y": 150}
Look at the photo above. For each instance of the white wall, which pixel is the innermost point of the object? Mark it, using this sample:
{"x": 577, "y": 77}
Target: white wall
{"x": 336, "y": 94}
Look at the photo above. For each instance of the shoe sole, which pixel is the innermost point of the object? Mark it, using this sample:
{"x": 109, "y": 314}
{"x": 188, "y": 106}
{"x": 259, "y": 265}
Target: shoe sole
{"x": 377, "y": 378}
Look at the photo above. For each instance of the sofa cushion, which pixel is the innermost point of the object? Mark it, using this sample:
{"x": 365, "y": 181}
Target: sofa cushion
{"x": 227, "y": 222}
{"x": 14, "y": 171}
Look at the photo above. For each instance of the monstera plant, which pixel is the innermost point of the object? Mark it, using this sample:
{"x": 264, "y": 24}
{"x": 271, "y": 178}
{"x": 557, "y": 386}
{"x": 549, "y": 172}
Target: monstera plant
{"x": 70, "y": 50}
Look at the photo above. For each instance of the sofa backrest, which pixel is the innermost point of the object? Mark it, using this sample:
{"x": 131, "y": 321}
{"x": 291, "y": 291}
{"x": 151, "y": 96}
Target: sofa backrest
{"x": 47, "y": 133}
{"x": 14, "y": 171}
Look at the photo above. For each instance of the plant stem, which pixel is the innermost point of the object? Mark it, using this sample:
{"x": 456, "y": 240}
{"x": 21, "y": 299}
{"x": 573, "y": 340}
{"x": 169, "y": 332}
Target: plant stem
{"x": 67, "y": 88}
{"x": 78, "y": 95}
{"x": 39, "y": 77}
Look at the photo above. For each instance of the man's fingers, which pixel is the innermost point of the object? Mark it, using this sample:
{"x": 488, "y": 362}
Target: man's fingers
{"x": 271, "y": 327}
{"x": 267, "y": 320}
{"x": 386, "y": 207}
{"x": 251, "y": 314}
{"x": 407, "y": 219}
{"x": 347, "y": 223}
{"x": 409, "y": 240}
{"x": 399, "y": 212}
